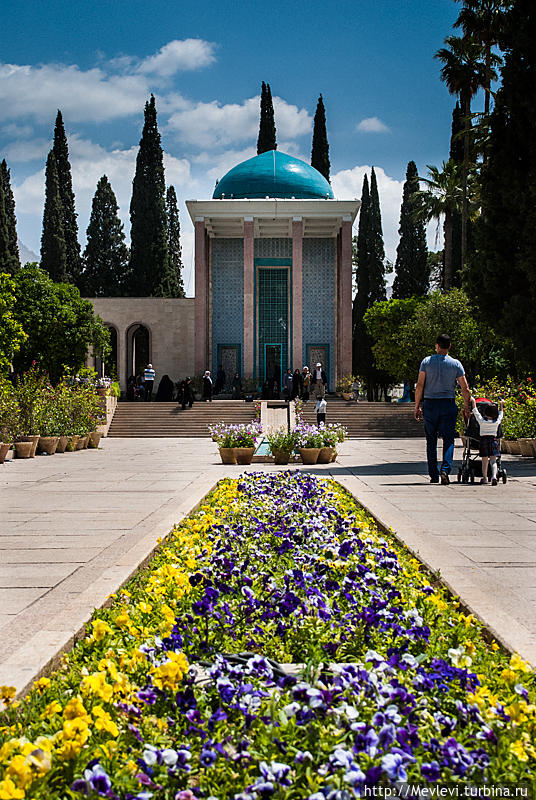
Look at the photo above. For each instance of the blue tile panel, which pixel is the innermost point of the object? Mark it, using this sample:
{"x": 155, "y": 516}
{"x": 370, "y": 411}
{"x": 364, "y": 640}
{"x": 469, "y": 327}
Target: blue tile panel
{"x": 273, "y": 248}
{"x": 319, "y": 298}
{"x": 227, "y": 296}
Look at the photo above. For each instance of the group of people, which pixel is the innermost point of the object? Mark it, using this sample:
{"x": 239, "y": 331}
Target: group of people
{"x": 297, "y": 385}
{"x": 435, "y": 403}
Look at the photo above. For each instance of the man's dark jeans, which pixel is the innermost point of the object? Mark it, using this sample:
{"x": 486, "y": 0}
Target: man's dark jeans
{"x": 439, "y": 420}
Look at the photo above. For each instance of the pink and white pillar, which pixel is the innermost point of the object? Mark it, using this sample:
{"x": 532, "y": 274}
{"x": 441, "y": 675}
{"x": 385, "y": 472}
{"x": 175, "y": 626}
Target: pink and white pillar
{"x": 297, "y": 292}
{"x": 201, "y": 297}
{"x": 249, "y": 287}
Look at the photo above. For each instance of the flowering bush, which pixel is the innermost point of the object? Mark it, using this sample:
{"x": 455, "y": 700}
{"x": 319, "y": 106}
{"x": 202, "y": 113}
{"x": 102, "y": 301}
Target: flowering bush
{"x": 181, "y": 691}
{"x": 244, "y": 435}
{"x": 306, "y": 435}
{"x": 519, "y": 405}
{"x": 282, "y": 440}
{"x": 346, "y": 383}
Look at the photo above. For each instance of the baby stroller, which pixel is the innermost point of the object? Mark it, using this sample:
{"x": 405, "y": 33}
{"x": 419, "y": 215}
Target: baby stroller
{"x": 471, "y": 466}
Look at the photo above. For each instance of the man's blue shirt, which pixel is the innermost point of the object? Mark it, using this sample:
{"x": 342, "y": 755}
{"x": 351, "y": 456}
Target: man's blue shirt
{"x": 442, "y": 372}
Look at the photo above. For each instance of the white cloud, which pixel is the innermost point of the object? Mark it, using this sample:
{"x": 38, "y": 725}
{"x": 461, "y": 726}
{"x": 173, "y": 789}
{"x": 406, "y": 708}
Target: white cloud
{"x": 188, "y": 54}
{"x": 115, "y": 89}
{"x": 372, "y": 125}
{"x": 31, "y": 150}
{"x": 208, "y": 125}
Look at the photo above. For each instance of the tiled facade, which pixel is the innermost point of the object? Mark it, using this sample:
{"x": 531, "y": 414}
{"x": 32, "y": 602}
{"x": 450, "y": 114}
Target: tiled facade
{"x": 318, "y": 323}
{"x": 227, "y": 276}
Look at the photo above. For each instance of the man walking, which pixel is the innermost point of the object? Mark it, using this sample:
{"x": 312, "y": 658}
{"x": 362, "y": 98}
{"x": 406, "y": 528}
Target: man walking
{"x": 148, "y": 381}
{"x": 436, "y": 385}
{"x": 319, "y": 381}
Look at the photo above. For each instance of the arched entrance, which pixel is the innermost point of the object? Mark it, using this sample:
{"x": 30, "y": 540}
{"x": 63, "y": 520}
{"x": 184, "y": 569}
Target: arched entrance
{"x": 138, "y": 349}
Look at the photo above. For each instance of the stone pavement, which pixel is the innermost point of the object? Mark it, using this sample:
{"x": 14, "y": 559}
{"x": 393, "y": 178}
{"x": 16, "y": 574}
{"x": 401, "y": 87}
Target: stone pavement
{"x": 74, "y": 527}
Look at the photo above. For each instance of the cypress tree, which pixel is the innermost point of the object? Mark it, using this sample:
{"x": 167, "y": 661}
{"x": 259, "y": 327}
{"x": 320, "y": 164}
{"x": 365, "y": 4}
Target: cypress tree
{"x": 106, "y": 255}
{"x": 370, "y": 257}
{"x": 456, "y": 155}
{"x": 501, "y": 275}
{"x": 412, "y": 274}
{"x": 10, "y": 220}
{"x": 320, "y": 151}
{"x": 149, "y": 258}
{"x": 53, "y": 249}
{"x": 65, "y": 184}
{"x": 377, "y": 250}
{"x": 267, "y": 136}
{"x": 172, "y": 285}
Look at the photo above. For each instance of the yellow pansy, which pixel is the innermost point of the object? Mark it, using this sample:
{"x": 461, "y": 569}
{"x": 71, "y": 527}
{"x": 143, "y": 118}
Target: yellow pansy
{"x": 104, "y": 722}
{"x": 122, "y": 619}
{"x": 518, "y": 749}
{"x": 52, "y": 708}
{"x": 100, "y": 629}
{"x": 7, "y": 693}
{"x": 42, "y": 684}
{"x": 9, "y": 791}
{"x": 517, "y": 663}
{"x": 96, "y": 684}
{"x": 20, "y": 769}
{"x": 169, "y": 674}
{"x": 75, "y": 709}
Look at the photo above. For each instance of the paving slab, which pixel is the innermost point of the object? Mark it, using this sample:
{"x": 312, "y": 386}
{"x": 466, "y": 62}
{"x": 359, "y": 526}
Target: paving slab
{"x": 95, "y": 517}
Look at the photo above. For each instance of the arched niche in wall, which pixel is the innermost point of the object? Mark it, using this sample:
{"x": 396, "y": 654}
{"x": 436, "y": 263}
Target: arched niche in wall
{"x": 138, "y": 348}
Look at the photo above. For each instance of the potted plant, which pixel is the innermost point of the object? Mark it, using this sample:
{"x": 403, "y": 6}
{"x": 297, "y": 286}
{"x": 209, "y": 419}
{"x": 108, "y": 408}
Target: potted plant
{"x": 281, "y": 445}
{"x": 308, "y": 440}
{"x": 9, "y": 418}
{"x": 236, "y": 442}
{"x": 329, "y": 443}
{"x": 31, "y": 390}
{"x": 344, "y": 386}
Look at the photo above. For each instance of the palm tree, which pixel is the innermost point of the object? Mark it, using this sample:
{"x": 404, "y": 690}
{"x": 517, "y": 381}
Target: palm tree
{"x": 483, "y": 20}
{"x": 463, "y": 72}
{"x": 440, "y": 200}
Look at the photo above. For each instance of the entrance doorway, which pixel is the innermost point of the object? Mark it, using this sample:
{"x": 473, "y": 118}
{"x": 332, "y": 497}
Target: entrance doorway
{"x": 138, "y": 353}
{"x": 272, "y": 363}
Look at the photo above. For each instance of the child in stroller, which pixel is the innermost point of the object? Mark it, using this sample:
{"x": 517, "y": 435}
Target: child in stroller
{"x": 483, "y": 431}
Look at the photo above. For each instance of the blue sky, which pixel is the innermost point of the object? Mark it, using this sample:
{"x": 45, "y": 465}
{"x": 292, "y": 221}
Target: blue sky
{"x": 99, "y": 61}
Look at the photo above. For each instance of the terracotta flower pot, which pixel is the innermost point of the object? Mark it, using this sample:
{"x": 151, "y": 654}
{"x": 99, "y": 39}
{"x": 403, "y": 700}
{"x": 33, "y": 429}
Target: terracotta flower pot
{"x": 94, "y": 439}
{"x": 4, "y": 450}
{"x": 515, "y": 447}
{"x": 62, "y": 444}
{"x": 281, "y": 456}
{"x": 334, "y": 455}
{"x": 309, "y": 455}
{"x": 325, "y": 455}
{"x": 526, "y": 447}
{"x": 244, "y": 455}
{"x": 72, "y": 442}
{"x": 228, "y": 455}
{"x": 533, "y": 443}
{"x": 23, "y": 449}
{"x": 81, "y": 443}
{"x": 346, "y": 396}
{"x": 34, "y": 439}
{"x": 48, "y": 444}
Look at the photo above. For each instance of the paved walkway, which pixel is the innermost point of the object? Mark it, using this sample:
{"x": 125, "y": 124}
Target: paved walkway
{"x": 74, "y": 527}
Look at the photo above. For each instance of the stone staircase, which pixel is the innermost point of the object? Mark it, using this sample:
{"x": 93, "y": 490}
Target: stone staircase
{"x": 363, "y": 420}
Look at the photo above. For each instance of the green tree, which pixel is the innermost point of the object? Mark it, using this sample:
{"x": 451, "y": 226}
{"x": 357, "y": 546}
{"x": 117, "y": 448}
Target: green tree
{"x": 405, "y": 332}
{"x": 320, "y": 149}
{"x": 483, "y": 20}
{"x": 149, "y": 257}
{"x": 502, "y": 275}
{"x": 11, "y": 333}
{"x": 463, "y": 73}
{"x": 11, "y": 261}
{"x": 53, "y": 248}
{"x": 173, "y": 286}
{"x": 106, "y": 255}
{"x": 441, "y": 200}
{"x": 267, "y": 136}
{"x": 65, "y": 186}
{"x": 412, "y": 276}
{"x": 59, "y": 325}
{"x": 370, "y": 275}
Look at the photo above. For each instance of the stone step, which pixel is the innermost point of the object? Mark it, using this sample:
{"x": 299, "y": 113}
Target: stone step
{"x": 363, "y": 420}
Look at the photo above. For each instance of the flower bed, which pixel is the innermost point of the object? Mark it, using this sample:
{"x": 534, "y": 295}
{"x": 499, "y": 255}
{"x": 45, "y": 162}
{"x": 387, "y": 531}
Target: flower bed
{"x": 273, "y": 568}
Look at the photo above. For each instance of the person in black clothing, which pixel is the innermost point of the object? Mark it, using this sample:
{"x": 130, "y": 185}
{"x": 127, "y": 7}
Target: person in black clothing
{"x": 165, "y": 390}
{"x": 207, "y": 387}
{"x": 221, "y": 377}
{"x": 296, "y": 384}
{"x": 186, "y": 394}
{"x": 237, "y": 387}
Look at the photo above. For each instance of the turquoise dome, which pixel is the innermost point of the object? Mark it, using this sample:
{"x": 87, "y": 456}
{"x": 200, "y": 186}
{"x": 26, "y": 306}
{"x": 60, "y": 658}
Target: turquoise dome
{"x": 273, "y": 174}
